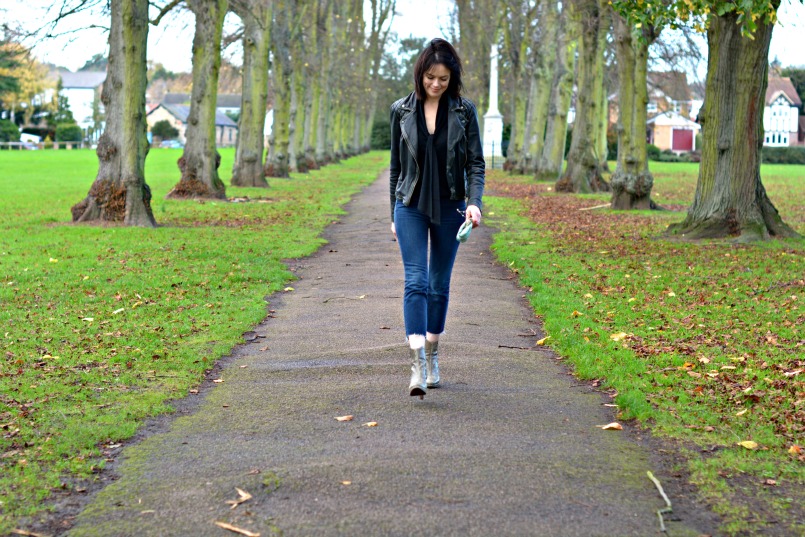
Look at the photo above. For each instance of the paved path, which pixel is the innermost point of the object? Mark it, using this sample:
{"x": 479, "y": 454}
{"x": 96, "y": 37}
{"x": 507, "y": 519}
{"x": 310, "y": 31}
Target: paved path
{"x": 507, "y": 447}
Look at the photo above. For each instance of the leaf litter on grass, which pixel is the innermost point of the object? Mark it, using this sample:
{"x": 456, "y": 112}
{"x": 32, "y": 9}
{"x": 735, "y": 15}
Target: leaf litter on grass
{"x": 709, "y": 334}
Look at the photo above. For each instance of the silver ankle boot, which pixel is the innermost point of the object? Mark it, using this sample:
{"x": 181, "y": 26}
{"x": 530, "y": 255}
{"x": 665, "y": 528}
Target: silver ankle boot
{"x": 417, "y": 386}
{"x": 432, "y": 360}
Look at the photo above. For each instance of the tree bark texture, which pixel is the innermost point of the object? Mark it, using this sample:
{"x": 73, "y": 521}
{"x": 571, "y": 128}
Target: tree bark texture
{"x": 543, "y": 56}
{"x": 730, "y": 200}
{"x": 119, "y": 192}
{"x": 632, "y": 181}
{"x": 200, "y": 160}
{"x": 294, "y": 116}
{"x": 583, "y": 173}
{"x": 552, "y": 156}
{"x": 322, "y": 90}
{"x": 382, "y": 12}
{"x": 603, "y": 126}
{"x": 277, "y": 163}
{"x": 516, "y": 36}
{"x": 248, "y": 167}
{"x": 308, "y": 133}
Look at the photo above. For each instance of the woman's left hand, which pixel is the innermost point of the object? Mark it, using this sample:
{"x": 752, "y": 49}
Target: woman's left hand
{"x": 474, "y": 214}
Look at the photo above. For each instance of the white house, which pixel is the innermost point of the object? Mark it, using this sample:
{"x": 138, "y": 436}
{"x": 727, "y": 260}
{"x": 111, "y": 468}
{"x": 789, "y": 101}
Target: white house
{"x": 226, "y": 130}
{"x": 82, "y": 89}
{"x": 781, "y": 115}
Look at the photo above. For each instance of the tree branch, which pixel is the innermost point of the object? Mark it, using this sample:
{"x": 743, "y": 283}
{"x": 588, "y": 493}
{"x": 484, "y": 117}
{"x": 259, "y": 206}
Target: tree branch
{"x": 164, "y": 11}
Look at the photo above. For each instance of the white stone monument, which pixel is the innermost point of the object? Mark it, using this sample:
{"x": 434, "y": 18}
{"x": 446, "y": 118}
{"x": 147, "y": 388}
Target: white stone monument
{"x": 493, "y": 121}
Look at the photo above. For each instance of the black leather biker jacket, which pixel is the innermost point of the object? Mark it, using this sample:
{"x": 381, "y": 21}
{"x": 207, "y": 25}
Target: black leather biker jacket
{"x": 463, "y": 143}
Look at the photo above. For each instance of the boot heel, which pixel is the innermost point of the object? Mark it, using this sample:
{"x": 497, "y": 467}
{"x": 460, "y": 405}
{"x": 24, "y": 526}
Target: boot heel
{"x": 434, "y": 378}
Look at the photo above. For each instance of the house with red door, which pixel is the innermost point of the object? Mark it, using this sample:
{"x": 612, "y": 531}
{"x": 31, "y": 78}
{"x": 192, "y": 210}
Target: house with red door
{"x": 671, "y": 130}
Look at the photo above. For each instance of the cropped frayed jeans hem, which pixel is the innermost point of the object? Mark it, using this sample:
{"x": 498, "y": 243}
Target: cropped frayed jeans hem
{"x": 427, "y": 277}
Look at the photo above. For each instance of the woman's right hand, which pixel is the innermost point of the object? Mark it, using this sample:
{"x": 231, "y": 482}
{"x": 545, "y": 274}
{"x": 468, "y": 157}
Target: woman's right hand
{"x": 394, "y": 231}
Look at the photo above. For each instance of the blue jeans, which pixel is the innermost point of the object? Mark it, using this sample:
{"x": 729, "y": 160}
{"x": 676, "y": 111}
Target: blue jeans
{"x": 427, "y": 285}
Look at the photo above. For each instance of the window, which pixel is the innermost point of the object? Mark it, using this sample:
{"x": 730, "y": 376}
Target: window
{"x": 651, "y": 107}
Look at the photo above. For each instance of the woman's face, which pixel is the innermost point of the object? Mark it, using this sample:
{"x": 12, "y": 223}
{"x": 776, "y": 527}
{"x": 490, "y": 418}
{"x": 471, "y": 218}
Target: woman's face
{"x": 436, "y": 80}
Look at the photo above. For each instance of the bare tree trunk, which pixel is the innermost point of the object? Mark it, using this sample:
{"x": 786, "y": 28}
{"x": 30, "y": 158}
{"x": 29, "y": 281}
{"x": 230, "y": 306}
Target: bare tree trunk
{"x": 382, "y": 12}
{"x": 478, "y": 24}
{"x": 248, "y": 167}
{"x": 603, "y": 124}
{"x": 549, "y": 167}
{"x": 308, "y": 133}
{"x": 632, "y": 181}
{"x": 277, "y": 162}
{"x": 730, "y": 199}
{"x": 324, "y": 55}
{"x": 293, "y": 115}
{"x": 516, "y": 36}
{"x": 583, "y": 173}
{"x": 543, "y": 61}
{"x": 119, "y": 192}
{"x": 200, "y": 161}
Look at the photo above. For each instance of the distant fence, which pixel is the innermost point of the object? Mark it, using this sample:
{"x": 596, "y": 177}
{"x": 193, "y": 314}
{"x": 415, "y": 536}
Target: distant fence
{"x": 12, "y": 146}
{"x": 21, "y": 146}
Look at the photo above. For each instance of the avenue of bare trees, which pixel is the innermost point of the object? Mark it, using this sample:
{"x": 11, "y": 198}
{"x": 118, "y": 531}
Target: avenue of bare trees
{"x": 590, "y": 57}
{"x": 308, "y": 51}
{"x": 595, "y": 54}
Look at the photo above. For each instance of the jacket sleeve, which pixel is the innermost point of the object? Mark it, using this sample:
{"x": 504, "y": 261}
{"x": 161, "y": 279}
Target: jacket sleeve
{"x": 476, "y": 165}
{"x": 394, "y": 167}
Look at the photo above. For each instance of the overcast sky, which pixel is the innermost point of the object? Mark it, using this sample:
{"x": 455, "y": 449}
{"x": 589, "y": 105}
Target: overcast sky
{"x": 170, "y": 43}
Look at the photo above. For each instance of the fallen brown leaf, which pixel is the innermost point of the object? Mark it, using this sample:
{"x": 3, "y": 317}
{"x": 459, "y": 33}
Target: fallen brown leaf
{"x": 614, "y": 426}
{"x": 795, "y": 450}
{"x": 543, "y": 340}
{"x": 344, "y": 418}
{"x": 18, "y": 531}
{"x": 236, "y": 529}
{"x": 243, "y": 496}
{"x": 371, "y": 424}
{"x": 748, "y": 444}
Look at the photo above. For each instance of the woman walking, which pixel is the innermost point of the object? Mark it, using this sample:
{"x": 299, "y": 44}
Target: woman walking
{"x": 436, "y": 183}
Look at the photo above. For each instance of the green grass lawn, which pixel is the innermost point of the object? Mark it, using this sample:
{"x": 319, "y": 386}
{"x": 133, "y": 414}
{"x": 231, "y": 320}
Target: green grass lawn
{"x": 102, "y": 325}
{"x": 702, "y": 343}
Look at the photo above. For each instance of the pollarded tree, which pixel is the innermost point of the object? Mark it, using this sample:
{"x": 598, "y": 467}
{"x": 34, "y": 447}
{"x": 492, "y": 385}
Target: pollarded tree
{"x": 583, "y": 173}
{"x": 730, "y": 199}
{"x": 256, "y": 18}
{"x": 200, "y": 160}
{"x": 119, "y": 192}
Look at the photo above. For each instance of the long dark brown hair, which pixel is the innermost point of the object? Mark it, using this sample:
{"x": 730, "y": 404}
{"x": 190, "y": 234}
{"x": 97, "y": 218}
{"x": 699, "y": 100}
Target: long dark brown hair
{"x": 438, "y": 51}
